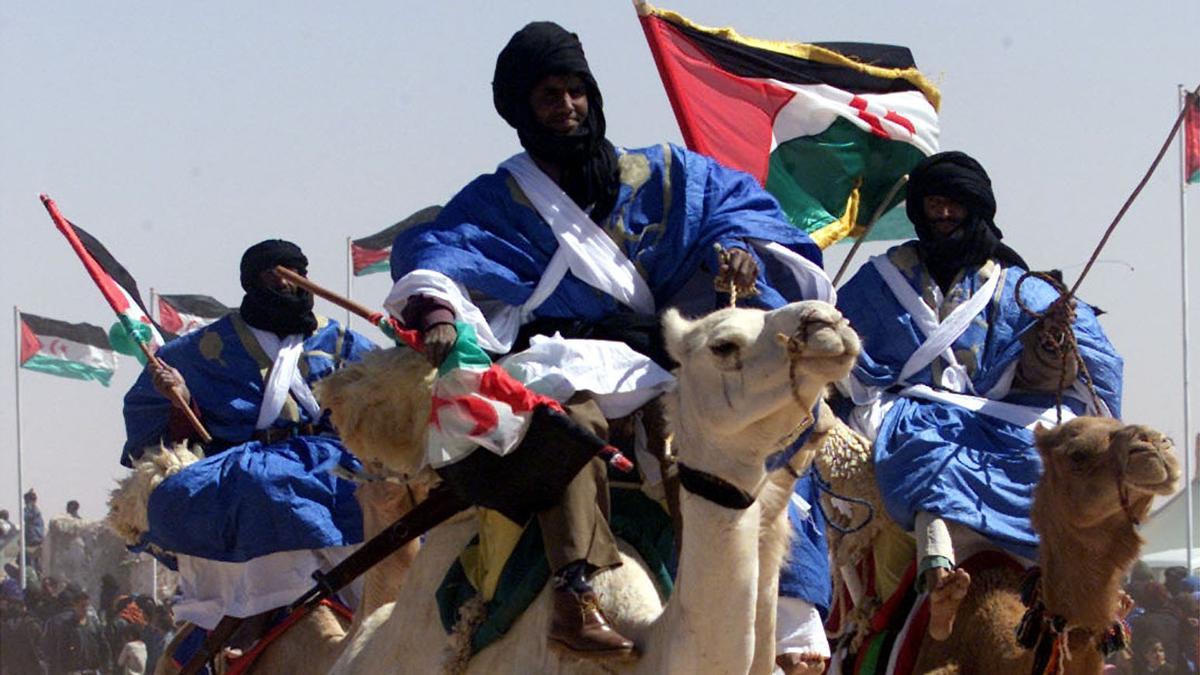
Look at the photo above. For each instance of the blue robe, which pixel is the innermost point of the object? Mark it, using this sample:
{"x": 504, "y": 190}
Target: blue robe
{"x": 936, "y": 457}
{"x": 805, "y": 573}
{"x": 673, "y": 206}
{"x": 251, "y": 499}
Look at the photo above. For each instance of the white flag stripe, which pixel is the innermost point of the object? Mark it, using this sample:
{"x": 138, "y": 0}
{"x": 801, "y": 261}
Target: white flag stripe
{"x": 69, "y": 350}
{"x": 134, "y": 312}
{"x": 814, "y": 107}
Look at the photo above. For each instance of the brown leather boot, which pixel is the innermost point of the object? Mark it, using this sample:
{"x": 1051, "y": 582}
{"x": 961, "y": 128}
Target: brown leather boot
{"x": 579, "y": 628}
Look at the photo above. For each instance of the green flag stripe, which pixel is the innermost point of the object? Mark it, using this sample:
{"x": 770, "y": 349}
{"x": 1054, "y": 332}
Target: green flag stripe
{"x": 813, "y": 176}
{"x": 64, "y": 368}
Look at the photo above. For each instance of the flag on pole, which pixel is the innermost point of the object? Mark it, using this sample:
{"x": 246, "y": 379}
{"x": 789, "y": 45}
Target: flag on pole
{"x": 76, "y": 350}
{"x": 115, "y": 283}
{"x": 1191, "y": 139}
{"x": 370, "y": 254}
{"x": 181, "y": 314}
{"x": 828, "y": 128}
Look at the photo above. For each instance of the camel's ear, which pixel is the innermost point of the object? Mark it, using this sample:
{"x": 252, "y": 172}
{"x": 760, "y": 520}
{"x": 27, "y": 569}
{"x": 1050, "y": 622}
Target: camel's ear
{"x": 675, "y": 328}
{"x": 1044, "y": 437}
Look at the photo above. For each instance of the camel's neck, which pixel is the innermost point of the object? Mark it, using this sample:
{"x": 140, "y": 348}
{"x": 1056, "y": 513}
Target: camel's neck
{"x": 706, "y": 626}
{"x": 1082, "y": 569}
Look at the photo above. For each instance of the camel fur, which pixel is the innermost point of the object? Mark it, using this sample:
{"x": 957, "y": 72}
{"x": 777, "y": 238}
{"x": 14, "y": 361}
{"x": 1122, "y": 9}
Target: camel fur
{"x": 1088, "y": 541}
{"x": 746, "y": 385}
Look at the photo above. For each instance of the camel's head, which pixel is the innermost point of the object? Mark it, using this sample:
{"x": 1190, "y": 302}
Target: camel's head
{"x": 754, "y": 376}
{"x": 1097, "y": 468}
{"x": 128, "y": 503}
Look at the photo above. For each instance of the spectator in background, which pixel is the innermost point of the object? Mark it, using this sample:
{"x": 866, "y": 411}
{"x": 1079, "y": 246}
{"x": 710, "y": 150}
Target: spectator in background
{"x": 7, "y": 529}
{"x": 35, "y": 531}
{"x": 74, "y": 641}
{"x": 19, "y": 633}
{"x": 73, "y": 509}
{"x": 132, "y": 658}
{"x": 1157, "y": 629}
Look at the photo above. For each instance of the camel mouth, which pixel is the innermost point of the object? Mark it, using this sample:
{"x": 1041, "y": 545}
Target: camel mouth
{"x": 1149, "y": 467}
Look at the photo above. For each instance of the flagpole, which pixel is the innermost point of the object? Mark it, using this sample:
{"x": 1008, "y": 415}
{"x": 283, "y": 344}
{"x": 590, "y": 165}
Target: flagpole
{"x": 154, "y": 306}
{"x": 349, "y": 277}
{"x": 20, "y": 475}
{"x": 879, "y": 211}
{"x": 1183, "y": 280}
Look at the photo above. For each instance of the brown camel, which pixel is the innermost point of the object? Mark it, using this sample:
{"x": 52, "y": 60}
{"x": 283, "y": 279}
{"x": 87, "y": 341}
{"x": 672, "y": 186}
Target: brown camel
{"x": 1099, "y": 479}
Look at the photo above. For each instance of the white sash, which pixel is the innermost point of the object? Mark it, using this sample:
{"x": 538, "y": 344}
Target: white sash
{"x": 284, "y": 377}
{"x": 939, "y": 336}
{"x": 590, "y": 253}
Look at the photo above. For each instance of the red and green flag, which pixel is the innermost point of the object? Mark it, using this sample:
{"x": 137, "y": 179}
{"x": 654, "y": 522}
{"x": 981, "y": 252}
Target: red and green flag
{"x": 371, "y": 254}
{"x": 1191, "y": 139}
{"x": 77, "y": 350}
{"x": 185, "y": 313}
{"x": 116, "y": 284}
{"x": 828, "y": 128}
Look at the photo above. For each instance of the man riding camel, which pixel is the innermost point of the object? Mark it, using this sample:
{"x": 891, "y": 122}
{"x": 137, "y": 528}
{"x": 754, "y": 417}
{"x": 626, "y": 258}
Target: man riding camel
{"x": 575, "y": 238}
{"x": 960, "y": 361}
{"x": 250, "y": 522}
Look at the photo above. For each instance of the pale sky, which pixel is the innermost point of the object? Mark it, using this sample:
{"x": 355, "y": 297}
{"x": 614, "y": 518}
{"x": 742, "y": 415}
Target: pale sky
{"x": 181, "y": 133}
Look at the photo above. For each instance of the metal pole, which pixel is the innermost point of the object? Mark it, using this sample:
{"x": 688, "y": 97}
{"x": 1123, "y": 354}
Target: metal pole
{"x": 349, "y": 276}
{"x": 20, "y": 475}
{"x": 154, "y": 306}
{"x": 1187, "y": 427}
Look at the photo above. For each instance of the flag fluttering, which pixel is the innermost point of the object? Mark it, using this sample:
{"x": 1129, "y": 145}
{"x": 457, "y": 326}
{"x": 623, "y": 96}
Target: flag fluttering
{"x": 134, "y": 326}
{"x": 828, "y": 128}
{"x": 76, "y": 350}
{"x": 1191, "y": 139}
{"x": 370, "y": 254}
{"x": 185, "y": 313}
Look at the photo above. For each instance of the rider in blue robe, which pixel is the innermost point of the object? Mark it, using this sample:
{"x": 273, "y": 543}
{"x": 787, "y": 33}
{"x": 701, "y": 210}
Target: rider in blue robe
{"x": 953, "y": 429}
{"x": 265, "y": 486}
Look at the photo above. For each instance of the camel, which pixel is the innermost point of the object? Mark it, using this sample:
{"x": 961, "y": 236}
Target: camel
{"x": 314, "y": 642}
{"x": 1098, "y": 482}
{"x": 747, "y": 383}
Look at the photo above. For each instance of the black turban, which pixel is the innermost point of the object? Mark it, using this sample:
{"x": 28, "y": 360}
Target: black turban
{"x": 956, "y": 176}
{"x": 587, "y": 159}
{"x": 266, "y": 308}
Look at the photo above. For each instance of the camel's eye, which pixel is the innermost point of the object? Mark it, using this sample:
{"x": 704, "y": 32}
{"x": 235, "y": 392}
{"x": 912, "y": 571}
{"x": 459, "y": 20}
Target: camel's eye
{"x": 1078, "y": 457}
{"x": 723, "y": 349}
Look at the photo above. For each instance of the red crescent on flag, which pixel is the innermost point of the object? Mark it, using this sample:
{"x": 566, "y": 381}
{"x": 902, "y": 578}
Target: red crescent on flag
{"x": 57, "y": 348}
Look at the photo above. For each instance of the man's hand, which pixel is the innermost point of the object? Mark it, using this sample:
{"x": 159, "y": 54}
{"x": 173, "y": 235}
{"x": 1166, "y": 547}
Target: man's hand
{"x": 1056, "y": 325}
{"x": 168, "y": 380}
{"x": 738, "y": 271}
{"x": 439, "y": 340}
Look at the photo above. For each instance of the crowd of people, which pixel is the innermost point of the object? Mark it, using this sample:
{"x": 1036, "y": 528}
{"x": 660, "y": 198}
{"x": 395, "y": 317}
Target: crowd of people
{"x": 1165, "y": 623}
{"x": 54, "y": 627}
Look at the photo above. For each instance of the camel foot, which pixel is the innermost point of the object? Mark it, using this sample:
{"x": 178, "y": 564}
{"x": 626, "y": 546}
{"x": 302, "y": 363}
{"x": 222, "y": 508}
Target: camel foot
{"x": 944, "y": 600}
{"x": 801, "y": 663}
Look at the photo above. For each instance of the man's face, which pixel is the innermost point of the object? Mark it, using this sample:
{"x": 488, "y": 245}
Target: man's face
{"x": 943, "y": 214}
{"x": 273, "y": 281}
{"x": 559, "y": 103}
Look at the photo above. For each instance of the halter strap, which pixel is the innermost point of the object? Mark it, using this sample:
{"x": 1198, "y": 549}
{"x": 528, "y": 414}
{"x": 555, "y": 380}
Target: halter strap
{"x": 714, "y": 488}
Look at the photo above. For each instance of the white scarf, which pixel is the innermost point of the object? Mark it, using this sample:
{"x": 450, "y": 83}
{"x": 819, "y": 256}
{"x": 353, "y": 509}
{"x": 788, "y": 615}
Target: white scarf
{"x": 284, "y": 377}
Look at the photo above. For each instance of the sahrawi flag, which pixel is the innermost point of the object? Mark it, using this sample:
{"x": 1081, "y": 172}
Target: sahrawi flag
{"x": 1191, "y": 139}
{"x": 371, "y": 254}
{"x": 828, "y": 128}
{"x": 476, "y": 403}
{"x": 181, "y": 314}
{"x": 115, "y": 283}
{"x": 76, "y": 350}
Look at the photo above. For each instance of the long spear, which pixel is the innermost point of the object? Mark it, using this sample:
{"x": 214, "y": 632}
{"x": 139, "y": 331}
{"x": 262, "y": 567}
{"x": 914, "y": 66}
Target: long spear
{"x": 111, "y": 295}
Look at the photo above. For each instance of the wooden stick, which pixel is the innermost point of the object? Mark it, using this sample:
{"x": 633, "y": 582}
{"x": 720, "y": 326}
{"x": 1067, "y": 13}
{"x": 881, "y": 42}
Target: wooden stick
{"x": 307, "y": 284}
{"x": 879, "y": 211}
{"x": 177, "y": 399}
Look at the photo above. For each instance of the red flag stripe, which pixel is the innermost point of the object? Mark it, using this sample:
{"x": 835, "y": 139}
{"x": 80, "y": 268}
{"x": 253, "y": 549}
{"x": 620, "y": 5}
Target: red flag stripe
{"x": 1191, "y": 135}
{"x": 30, "y": 344}
{"x": 740, "y": 112}
{"x": 168, "y": 317}
{"x": 109, "y": 288}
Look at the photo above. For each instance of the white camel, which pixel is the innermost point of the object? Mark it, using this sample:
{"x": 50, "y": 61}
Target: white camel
{"x": 747, "y": 382}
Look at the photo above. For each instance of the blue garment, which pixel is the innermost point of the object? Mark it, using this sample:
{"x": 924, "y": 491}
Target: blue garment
{"x": 251, "y": 499}
{"x": 673, "y": 206}
{"x": 936, "y": 457}
{"x": 805, "y": 573}
{"x": 35, "y": 527}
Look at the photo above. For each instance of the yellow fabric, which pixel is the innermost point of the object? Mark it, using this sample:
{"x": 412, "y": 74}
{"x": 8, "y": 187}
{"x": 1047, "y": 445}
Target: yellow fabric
{"x": 483, "y": 562}
{"x": 805, "y": 51}
{"x": 830, "y": 234}
{"x": 893, "y": 552}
